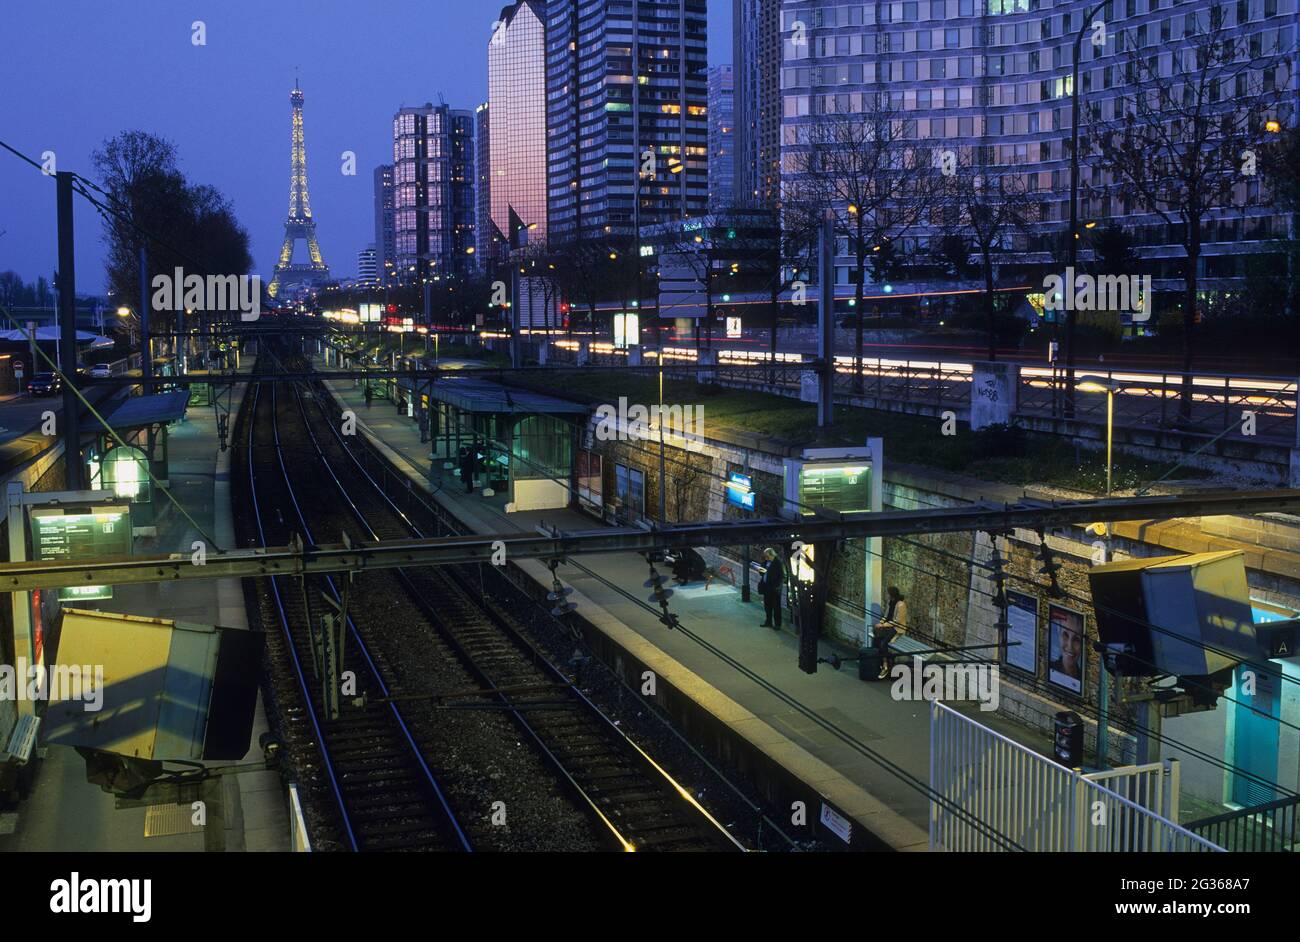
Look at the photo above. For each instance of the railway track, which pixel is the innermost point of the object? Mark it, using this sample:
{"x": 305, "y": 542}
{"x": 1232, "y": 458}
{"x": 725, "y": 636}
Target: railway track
{"x": 629, "y": 801}
{"x": 379, "y": 773}
{"x": 384, "y": 794}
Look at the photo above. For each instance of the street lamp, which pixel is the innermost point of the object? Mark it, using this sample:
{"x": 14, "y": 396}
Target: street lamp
{"x": 1074, "y": 202}
{"x": 1109, "y": 388}
{"x": 1103, "y": 680}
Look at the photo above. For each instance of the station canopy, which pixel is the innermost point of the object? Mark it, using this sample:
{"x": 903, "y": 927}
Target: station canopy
{"x": 477, "y": 395}
{"x": 143, "y": 411}
{"x": 53, "y": 334}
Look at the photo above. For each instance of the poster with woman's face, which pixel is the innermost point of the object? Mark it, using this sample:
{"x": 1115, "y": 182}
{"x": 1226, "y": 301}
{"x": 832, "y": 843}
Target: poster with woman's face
{"x": 1065, "y": 648}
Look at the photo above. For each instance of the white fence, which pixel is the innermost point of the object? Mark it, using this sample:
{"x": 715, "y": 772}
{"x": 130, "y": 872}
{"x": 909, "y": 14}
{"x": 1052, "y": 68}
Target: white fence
{"x": 1154, "y": 786}
{"x": 991, "y": 793}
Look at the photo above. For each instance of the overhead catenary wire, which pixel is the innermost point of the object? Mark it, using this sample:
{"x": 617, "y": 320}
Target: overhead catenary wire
{"x": 846, "y": 737}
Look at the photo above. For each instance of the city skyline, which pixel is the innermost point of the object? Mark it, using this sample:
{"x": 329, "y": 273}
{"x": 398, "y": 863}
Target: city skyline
{"x": 228, "y": 105}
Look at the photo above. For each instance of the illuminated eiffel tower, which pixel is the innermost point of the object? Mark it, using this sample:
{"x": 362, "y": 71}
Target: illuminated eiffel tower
{"x": 290, "y": 278}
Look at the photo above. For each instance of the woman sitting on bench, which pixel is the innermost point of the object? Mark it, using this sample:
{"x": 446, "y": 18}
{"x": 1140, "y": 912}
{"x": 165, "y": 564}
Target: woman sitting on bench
{"x": 893, "y": 624}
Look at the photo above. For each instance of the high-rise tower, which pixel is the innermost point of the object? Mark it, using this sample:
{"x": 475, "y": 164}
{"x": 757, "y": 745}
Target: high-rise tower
{"x": 627, "y": 115}
{"x": 517, "y": 123}
{"x": 290, "y": 278}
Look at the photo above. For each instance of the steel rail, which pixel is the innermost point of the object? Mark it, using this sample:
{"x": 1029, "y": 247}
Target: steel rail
{"x": 547, "y": 667}
{"x": 440, "y": 797}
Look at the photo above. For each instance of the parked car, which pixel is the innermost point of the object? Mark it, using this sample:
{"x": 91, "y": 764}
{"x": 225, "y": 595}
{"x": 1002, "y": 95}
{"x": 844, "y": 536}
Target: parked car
{"x": 99, "y": 371}
{"x": 44, "y": 384}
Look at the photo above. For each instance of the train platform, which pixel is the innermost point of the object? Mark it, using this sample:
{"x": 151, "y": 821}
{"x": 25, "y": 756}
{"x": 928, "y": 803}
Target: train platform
{"x": 62, "y": 811}
{"x": 830, "y": 732}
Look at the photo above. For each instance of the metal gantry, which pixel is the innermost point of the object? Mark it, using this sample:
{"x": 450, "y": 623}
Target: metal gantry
{"x": 550, "y": 543}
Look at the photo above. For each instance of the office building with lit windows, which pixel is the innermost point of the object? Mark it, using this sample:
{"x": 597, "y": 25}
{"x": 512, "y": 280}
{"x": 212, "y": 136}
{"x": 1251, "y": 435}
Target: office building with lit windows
{"x": 756, "y": 45}
{"x": 624, "y": 79}
{"x": 385, "y": 236}
{"x": 488, "y": 243}
{"x": 517, "y": 120}
{"x": 367, "y": 266}
{"x": 722, "y": 137}
{"x": 433, "y": 191}
{"x": 991, "y": 81}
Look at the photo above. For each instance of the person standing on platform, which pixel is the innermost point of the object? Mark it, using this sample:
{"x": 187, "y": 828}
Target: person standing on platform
{"x": 467, "y": 463}
{"x": 893, "y": 624}
{"x": 770, "y": 584}
{"x": 370, "y": 394}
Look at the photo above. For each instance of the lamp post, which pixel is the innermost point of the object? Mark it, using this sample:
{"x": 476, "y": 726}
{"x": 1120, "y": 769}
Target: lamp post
{"x": 1103, "y": 680}
{"x": 1073, "y": 249}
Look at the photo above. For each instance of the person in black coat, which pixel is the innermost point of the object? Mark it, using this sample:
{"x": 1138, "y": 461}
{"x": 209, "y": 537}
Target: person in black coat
{"x": 467, "y": 463}
{"x": 689, "y": 566}
{"x": 770, "y": 584}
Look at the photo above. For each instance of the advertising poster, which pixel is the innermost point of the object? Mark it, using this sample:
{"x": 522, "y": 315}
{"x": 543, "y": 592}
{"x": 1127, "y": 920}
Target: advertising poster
{"x": 1022, "y": 636}
{"x": 1065, "y": 650}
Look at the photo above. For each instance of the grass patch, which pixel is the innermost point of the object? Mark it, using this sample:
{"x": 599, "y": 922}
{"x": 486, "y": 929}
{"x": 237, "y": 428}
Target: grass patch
{"x": 1011, "y": 456}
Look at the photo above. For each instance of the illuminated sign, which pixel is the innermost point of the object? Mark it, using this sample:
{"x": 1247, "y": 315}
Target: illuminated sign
{"x": 626, "y": 329}
{"x": 58, "y": 535}
{"x": 733, "y": 327}
{"x": 842, "y": 488}
{"x": 85, "y": 593}
{"x": 740, "y": 490}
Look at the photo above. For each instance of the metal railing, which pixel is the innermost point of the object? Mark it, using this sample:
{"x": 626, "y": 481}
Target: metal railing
{"x": 1218, "y": 401}
{"x": 1154, "y": 786}
{"x": 1267, "y": 828}
{"x": 927, "y": 381}
{"x": 992, "y": 790}
{"x": 1153, "y": 400}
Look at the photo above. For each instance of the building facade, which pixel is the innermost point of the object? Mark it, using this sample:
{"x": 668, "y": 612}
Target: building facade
{"x": 722, "y": 137}
{"x": 368, "y": 266}
{"x": 517, "y": 121}
{"x": 625, "y": 81}
{"x": 756, "y": 37}
{"x": 990, "y": 82}
{"x": 385, "y": 236}
{"x": 433, "y": 192}
{"x": 487, "y": 242}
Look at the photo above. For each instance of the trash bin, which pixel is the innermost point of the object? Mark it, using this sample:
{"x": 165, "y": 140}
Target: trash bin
{"x": 869, "y": 662}
{"x": 1067, "y": 739}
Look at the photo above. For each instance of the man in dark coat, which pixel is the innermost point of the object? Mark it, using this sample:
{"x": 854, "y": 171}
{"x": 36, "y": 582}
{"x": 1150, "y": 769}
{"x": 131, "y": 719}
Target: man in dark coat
{"x": 770, "y": 584}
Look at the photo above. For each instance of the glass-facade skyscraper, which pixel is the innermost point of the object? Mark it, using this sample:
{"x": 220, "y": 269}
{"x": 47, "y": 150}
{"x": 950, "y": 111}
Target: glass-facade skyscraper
{"x": 433, "y": 191}
{"x": 517, "y": 122}
{"x": 756, "y": 38}
{"x": 722, "y": 138}
{"x": 624, "y": 79}
{"x": 385, "y": 235}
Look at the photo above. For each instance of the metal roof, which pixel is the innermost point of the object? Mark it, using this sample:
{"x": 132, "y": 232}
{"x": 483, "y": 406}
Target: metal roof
{"x": 475, "y": 394}
{"x": 139, "y": 411}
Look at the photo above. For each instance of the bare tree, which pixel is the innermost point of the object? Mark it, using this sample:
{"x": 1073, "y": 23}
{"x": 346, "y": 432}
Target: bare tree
{"x": 1183, "y": 143}
{"x": 985, "y": 210}
{"x": 860, "y": 167}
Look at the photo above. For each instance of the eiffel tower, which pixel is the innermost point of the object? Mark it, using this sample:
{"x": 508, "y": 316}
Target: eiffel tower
{"x": 291, "y": 278}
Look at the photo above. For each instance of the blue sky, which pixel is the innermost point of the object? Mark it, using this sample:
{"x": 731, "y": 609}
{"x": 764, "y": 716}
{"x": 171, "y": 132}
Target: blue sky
{"x": 74, "y": 72}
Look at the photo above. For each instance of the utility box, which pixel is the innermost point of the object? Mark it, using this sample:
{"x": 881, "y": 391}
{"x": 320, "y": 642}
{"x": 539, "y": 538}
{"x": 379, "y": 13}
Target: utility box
{"x": 1067, "y": 739}
{"x": 1184, "y": 615}
{"x": 152, "y": 688}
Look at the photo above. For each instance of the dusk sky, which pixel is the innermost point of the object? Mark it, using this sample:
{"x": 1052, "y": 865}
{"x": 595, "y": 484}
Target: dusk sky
{"x": 78, "y": 71}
